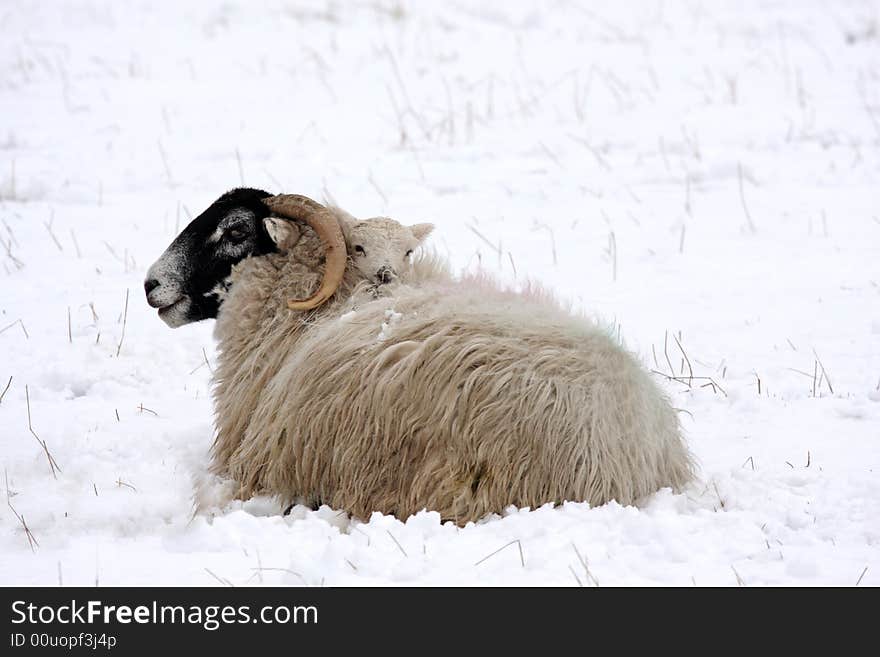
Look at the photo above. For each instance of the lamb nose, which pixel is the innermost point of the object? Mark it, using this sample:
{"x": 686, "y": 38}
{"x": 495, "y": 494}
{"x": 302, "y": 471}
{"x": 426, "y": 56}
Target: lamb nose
{"x": 384, "y": 275}
{"x": 150, "y": 285}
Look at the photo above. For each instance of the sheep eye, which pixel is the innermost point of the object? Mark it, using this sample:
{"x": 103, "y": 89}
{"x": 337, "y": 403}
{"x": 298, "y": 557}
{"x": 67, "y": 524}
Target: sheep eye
{"x": 235, "y": 235}
{"x": 407, "y": 254}
{"x": 359, "y": 250}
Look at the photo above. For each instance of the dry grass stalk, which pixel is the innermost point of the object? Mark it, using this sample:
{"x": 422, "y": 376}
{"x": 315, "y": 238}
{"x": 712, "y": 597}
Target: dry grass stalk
{"x": 3, "y": 394}
{"x": 399, "y": 546}
{"x": 507, "y": 545}
{"x": 586, "y": 566}
{"x": 494, "y": 247}
{"x": 124, "y": 321}
{"x": 824, "y": 373}
{"x": 739, "y": 580}
{"x": 742, "y": 198}
{"x": 32, "y": 540}
{"x": 121, "y": 483}
{"x": 53, "y": 465}
{"x": 687, "y": 360}
{"x": 222, "y": 580}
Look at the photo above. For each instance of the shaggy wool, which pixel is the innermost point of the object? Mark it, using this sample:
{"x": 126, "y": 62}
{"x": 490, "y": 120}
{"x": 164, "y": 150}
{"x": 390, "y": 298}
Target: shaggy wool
{"x": 452, "y": 395}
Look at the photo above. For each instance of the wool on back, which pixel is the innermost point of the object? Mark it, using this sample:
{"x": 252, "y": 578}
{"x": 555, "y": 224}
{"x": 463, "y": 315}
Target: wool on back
{"x": 451, "y": 395}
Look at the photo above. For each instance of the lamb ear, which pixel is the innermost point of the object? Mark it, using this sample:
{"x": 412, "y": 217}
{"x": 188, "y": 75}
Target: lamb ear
{"x": 283, "y": 232}
{"x": 421, "y": 231}
{"x": 345, "y": 219}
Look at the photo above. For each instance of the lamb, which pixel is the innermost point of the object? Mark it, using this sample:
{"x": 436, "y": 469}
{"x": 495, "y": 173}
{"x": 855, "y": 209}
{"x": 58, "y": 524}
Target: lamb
{"x": 455, "y": 396}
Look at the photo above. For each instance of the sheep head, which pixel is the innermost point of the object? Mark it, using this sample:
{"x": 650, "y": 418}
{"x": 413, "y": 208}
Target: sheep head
{"x": 186, "y": 283}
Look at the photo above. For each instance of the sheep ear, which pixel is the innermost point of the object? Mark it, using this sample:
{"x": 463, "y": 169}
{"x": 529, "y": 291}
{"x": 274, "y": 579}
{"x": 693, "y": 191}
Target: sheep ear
{"x": 421, "y": 231}
{"x": 345, "y": 219}
{"x": 284, "y": 233}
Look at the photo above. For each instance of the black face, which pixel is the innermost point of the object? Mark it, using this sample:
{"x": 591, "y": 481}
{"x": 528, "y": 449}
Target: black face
{"x": 184, "y": 282}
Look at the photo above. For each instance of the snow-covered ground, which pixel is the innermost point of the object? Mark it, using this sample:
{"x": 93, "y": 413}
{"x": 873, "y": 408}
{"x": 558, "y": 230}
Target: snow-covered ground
{"x": 704, "y": 174}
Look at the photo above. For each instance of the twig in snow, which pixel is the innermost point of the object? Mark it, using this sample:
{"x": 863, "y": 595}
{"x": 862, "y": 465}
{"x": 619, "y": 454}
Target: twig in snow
{"x": 205, "y": 354}
{"x": 739, "y": 580}
{"x": 717, "y": 494}
{"x": 7, "y": 246}
{"x": 112, "y": 251}
{"x": 585, "y": 565}
{"x": 283, "y": 570}
{"x": 494, "y": 247}
{"x": 3, "y": 394}
{"x": 69, "y": 330}
{"x": 223, "y": 580}
{"x": 363, "y": 534}
{"x": 53, "y": 465}
{"x": 32, "y": 540}
{"x": 124, "y": 321}
{"x": 666, "y": 352}
{"x": 521, "y": 559}
{"x": 612, "y": 253}
{"x": 121, "y": 483}
{"x": 683, "y": 410}
{"x": 687, "y": 360}
{"x": 859, "y": 580}
{"x": 742, "y": 197}
{"x": 48, "y": 225}
{"x": 240, "y": 167}
{"x": 164, "y": 160}
{"x": 399, "y": 546}
{"x": 18, "y": 321}
{"x": 824, "y": 373}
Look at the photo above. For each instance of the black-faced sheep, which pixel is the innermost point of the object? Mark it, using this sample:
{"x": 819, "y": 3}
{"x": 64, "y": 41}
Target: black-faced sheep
{"x": 451, "y": 395}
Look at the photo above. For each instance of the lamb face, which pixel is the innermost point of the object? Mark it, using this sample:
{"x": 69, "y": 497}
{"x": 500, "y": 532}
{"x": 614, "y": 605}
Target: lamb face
{"x": 380, "y": 248}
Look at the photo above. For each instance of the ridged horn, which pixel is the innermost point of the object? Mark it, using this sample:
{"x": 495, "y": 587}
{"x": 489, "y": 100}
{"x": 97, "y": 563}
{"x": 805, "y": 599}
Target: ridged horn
{"x": 322, "y": 221}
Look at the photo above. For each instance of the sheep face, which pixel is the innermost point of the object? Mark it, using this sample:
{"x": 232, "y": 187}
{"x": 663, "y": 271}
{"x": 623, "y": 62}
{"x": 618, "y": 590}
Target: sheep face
{"x": 380, "y": 248}
{"x": 186, "y": 281}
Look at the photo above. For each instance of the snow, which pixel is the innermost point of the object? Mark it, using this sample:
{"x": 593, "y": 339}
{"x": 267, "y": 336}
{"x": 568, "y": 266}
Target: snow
{"x": 706, "y": 172}
{"x": 391, "y": 319}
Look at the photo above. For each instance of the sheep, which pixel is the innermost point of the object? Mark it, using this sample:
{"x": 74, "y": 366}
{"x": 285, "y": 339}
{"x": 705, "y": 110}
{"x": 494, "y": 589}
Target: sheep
{"x": 452, "y": 395}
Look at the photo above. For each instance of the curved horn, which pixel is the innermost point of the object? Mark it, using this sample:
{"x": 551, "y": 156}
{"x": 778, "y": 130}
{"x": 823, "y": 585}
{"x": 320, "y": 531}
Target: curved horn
{"x": 327, "y": 227}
